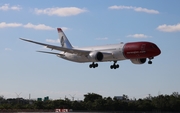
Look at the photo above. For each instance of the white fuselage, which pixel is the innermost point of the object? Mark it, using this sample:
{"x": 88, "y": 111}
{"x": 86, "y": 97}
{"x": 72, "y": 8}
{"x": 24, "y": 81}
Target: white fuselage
{"x": 116, "y": 50}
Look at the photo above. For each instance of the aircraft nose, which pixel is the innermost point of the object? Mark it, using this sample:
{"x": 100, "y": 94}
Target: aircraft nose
{"x": 157, "y": 51}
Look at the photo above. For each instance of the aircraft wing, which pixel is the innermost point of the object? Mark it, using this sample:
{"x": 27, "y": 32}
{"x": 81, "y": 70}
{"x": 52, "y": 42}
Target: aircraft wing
{"x": 73, "y": 51}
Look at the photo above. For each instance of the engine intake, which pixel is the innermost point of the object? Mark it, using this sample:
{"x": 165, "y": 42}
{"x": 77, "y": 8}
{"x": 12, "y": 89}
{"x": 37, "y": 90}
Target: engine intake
{"x": 96, "y": 56}
{"x": 138, "y": 61}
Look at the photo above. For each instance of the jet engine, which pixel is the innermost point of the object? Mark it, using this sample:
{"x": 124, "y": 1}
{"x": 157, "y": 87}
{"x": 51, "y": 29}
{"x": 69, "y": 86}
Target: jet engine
{"x": 138, "y": 61}
{"x": 95, "y": 56}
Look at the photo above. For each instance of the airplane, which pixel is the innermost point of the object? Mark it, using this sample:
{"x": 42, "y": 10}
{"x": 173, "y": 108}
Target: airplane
{"x": 136, "y": 52}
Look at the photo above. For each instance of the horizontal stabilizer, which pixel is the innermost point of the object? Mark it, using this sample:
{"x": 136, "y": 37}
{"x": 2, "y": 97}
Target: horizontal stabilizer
{"x": 51, "y": 53}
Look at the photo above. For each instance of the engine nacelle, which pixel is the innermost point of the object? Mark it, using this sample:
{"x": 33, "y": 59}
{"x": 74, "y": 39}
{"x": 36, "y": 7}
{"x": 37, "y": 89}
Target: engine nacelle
{"x": 138, "y": 61}
{"x": 95, "y": 56}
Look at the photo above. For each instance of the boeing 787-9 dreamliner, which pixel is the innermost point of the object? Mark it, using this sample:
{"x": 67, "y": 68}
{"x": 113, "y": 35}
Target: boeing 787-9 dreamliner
{"x": 137, "y": 52}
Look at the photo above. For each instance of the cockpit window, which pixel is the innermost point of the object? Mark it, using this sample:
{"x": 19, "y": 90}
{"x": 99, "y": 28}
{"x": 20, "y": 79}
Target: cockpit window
{"x": 154, "y": 46}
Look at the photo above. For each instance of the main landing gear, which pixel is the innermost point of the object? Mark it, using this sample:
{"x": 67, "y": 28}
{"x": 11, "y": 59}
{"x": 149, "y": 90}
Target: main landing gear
{"x": 150, "y": 62}
{"x": 114, "y": 66}
{"x": 93, "y": 65}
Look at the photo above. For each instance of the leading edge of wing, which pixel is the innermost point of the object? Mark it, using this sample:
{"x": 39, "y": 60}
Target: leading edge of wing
{"x": 75, "y": 51}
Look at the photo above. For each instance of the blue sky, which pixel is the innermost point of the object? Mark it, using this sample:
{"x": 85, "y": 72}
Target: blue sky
{"x": 87, "y": 23}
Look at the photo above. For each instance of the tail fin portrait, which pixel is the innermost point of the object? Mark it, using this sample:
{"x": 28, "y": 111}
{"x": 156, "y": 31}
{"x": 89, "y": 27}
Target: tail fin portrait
{"x": 63, "y": 39}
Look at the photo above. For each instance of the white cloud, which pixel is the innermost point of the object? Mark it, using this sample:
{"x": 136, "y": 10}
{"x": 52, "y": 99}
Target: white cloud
{"x": 66, "y": 11}
{"x": 4, "y": 25}
{"x": 30, "y": 25}
{"x": 16, "y": 8}
{"x": 120, "y": 7}
{"x": 169, "y": 28}
{"x": 6, "y": 7}
{"x": 38, "y": 27}
{"x": 7, "y": 49}
{"x": 52, "y": 41}
{"x": 105, "y": 38}
{"x": 138, "y": 36}
{"x": 138, "y": 9}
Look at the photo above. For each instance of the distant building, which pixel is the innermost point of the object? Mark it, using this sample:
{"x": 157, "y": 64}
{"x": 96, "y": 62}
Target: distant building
{"x": 45, "y": 99}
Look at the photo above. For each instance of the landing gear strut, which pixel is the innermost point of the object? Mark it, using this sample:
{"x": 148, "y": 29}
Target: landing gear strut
{"x": 150, "y": 62}
{"x": 114, "y": 66}
{"x": 93, "y": 65}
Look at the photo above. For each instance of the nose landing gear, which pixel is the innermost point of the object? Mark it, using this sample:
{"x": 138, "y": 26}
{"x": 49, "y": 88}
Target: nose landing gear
{"x": 114, "y": 66}
{"x": 150, "y": 62}
{"x": 93, "y": 65}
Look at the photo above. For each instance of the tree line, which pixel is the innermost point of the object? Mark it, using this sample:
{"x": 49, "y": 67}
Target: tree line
{"x": 96, "y": 102}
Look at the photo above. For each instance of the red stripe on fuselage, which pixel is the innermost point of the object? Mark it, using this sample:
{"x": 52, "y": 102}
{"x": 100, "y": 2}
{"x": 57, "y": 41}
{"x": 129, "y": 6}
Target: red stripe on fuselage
{"x": 135, "y": 50}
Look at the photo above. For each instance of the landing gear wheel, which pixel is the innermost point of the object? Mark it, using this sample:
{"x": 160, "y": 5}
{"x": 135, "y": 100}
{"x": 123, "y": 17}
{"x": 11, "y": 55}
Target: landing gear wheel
{"x": 93, "y": 65}
{"x": 117, "y": 66}
{"x": 90, "y": 66}
{"x": 114, "y": 66}
{"x": 149, "y": 62}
